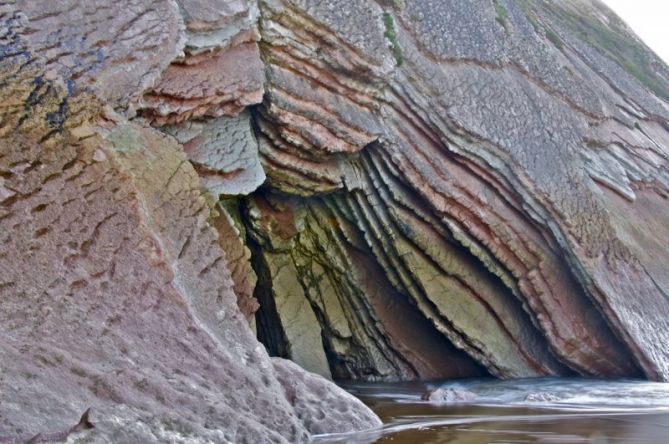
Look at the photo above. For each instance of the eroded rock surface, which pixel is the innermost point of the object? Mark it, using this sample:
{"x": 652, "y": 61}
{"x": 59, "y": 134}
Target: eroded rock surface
{"x": 494, "y": 164}
{"x": 115, "y": 293}
{"x": 225, "y": 153}
{"x": 390, "y": 190}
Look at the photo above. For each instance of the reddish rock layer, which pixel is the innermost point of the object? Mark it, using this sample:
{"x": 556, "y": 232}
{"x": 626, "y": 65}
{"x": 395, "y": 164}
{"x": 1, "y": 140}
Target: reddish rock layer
{"x": 212, "y": 84}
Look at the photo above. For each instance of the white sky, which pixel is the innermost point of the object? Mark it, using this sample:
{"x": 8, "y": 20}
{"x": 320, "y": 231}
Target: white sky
{"x": 649, "y": 19}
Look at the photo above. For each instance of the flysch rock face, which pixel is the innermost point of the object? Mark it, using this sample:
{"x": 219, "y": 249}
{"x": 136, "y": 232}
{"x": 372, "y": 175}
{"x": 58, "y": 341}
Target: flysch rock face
{"x": 115, "y": 295}
{"x": 217, "y": 83}
{"x": 75, "y": 40}
{"x": 498, "y": 167}
{"x": 447, "y": 189}
{"x": 220, "y": 72}
{"x": 231, "y": 236}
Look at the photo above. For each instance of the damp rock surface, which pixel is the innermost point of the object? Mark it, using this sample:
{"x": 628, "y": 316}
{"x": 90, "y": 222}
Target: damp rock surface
{"x": 448, "y": 396}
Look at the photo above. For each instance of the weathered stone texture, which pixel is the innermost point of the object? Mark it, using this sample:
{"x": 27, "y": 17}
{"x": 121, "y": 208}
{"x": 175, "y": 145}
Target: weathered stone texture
{"x": 128, "y": 307}
{"x": 225, "y": 152}
{"x": 219, "y": 74}
{"x": 393, "y": 190}
{"x": 317, "y": 267}
{"x": 119, "y": 49}
{"x": 214, "y": 24}
{"x": 495, "y": 159}
{"x": 115, "y": 292}
{"x": 232, "y": 239}
{"x": 217, "y": 83}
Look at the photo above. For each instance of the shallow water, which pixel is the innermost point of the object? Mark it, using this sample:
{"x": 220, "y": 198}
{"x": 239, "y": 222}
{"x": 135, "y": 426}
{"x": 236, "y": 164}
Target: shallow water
{"x": 580, "y": 411}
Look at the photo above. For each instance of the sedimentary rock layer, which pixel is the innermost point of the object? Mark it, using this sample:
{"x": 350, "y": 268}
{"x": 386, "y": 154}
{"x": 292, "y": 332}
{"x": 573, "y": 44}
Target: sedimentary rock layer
{"x": 219, "y": 73}
{"x": 225, "y": 153}
{"x": 390, "y": 189}
{"x": 498, "y": 165}
{"x": 217, "y": 83}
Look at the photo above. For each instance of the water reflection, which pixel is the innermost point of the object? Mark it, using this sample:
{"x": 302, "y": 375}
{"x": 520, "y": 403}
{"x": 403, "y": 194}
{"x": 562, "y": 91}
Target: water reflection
{"x": 521, "y": 411}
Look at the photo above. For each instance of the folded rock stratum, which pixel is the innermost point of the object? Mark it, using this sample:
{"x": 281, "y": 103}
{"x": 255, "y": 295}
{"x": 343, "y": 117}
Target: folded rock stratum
{"x": 194, "y": 193}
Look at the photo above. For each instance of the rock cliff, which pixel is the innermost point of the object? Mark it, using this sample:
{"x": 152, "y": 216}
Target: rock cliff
{"x": 382, "y": 190}
{"x": 116, "y": 292}
{"x": 462, "y": 187}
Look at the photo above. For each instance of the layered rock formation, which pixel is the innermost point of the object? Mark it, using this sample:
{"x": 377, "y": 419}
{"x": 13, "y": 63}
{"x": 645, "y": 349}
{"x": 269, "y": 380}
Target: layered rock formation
{"x": 383, "y": 190}
{"x": 491, "y": 176}
{"x": 116, "y": 296}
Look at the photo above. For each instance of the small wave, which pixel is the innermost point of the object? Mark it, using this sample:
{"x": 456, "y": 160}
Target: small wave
{"x": 541, "y": 410}
{"x": 408, "y": 424}
{"x": 576, "y": 393}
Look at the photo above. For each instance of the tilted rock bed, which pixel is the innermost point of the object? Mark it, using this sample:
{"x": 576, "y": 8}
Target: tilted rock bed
{"x": 383, "y": 190}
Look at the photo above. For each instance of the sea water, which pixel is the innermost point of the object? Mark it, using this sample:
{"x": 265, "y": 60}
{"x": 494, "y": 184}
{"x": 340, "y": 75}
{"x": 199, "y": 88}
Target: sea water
{"x": 550, "y": 410}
